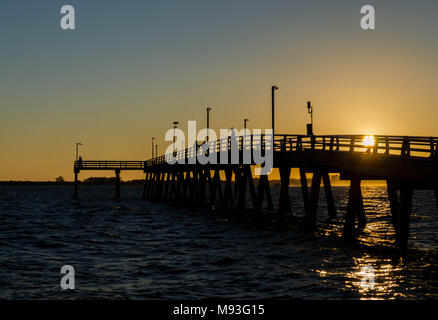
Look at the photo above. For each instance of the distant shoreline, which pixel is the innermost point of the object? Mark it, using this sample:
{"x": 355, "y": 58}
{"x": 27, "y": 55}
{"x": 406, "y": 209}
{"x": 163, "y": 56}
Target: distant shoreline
{"x": 141, "y": 182}
{"x": 66, "y": 183}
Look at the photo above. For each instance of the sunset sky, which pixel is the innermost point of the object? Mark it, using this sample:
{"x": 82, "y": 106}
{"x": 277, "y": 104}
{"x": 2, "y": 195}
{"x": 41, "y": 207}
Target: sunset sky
{"x": 131, "y": 68}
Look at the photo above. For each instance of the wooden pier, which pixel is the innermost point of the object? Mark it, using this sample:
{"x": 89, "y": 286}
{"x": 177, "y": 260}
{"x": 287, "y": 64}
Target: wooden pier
{"x": 405, "y": 163}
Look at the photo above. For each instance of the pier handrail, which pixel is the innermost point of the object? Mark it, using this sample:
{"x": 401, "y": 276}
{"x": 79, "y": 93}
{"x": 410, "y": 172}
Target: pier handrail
{"x": 401, "y": 146}
{"x": 109, "y": 165}
{"x": 398, "y": 146}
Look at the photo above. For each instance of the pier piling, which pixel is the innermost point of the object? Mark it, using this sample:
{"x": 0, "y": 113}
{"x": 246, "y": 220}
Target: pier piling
{"x": 117, "y": 184}
{"x": 329, "y": 195}
{"x": 76, "y": 185}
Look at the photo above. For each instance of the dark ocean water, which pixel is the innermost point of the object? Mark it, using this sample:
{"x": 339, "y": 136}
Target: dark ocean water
{"x": 132, "y": 248}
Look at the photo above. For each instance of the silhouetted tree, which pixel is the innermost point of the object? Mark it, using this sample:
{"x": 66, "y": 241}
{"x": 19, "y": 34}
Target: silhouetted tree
{"x": 60, "y": 179}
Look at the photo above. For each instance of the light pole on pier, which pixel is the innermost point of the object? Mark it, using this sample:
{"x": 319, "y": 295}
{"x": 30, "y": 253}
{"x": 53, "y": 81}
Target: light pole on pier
{"x": 153, "y": 138}
{"x": 77, "y": 149}
{"x": 208, "y": 120}
{"x": 273, "y": 88}
{"x": 244, "y": 123}
{"x": 310, "y": 125}
{"x": 175, "y": 123}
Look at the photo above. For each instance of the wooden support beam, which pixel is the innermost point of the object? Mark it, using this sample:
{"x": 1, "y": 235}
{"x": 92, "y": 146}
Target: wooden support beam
{"x": 172, "y": 191}
{"x": 163, "y": 185}
{"x": 209, "y": 181}
{"x": 228, "y": 195}
{"x": 304, "y": 190}
{"x": 194, "y": 190}
{"x": 145, "y": 185}
{"x": 394, "y": 206}
{"x": 166, "y": 184}
{"x": 117, "y": 184}
{"x": 159, "y": 188}
{"x": 202, "y": 185}
{"x": 406, "y": 193}
{"x": 361, "y": 217}
{"x": 259, "y": 198}
{"x": 148, "y": 186}
{"x": 212, "y": 188}
{"x": 355, "y": 208}
{"x": 263, "y": 189}
{"x": 189, "y": 185}
{"x": 179, "y": 185}
{"x": 172, "y": 188}
{"x": 152, "y": 185}
{"x": 314, "y": 198}
{"x": 329, "y": 195}
{"x": 186, "y": 186}
{"x": 216, "y": 187}
{"x": 268, "y": 193}
{"x": 401, "y": 207}
{"x": 284, "y": 201}
{"x": 76, "y": 185}
{"x": 251, "y": 186}
{"x": 155, "y": 186}
{"x": 237, "y": 181}
{"x": 353, "y": 200}
{"x": 241, "y": 186}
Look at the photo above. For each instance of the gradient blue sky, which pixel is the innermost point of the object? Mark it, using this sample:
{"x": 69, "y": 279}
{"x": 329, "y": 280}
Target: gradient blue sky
{"x": 132, "y": 67}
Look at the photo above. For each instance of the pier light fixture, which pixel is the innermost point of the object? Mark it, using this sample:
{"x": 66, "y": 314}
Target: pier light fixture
{"x": 153, "y": 138}
{"x": 175, "y": 123}
{"x": 310, "y": 125}
{"x": 244, "y": 123}
{"x": 244, "y": 127}
{"x": 208, "y": 121}
{"x": 273, "y": 88}
{"x": 77, "y": 149}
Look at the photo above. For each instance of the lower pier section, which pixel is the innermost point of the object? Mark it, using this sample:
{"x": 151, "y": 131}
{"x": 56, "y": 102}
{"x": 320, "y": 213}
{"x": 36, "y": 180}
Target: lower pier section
{"x": 234, "y": 186}
{"x": 191, "y": 184}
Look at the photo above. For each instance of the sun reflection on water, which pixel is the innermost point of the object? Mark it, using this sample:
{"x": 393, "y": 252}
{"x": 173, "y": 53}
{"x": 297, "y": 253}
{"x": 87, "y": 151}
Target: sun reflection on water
{"x": 395, "y": 277}
{"x": 387, "y": 278}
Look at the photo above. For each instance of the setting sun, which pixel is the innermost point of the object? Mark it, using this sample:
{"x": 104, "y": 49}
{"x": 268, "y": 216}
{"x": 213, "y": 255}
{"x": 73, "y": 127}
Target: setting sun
{"x": 368, "y": 141}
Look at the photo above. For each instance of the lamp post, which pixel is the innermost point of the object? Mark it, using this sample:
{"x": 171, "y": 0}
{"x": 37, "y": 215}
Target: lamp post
{"x": 208, "y": 121}
{"x": 244, "y": 130}
{"x": 153, "y": 138}
{"x": 77, "y": 149}
{"x": 175, "y": 123}
{"x": 310, "y": 125}
{"x": 273, "y": 107}
{"x": 156, "y": 150}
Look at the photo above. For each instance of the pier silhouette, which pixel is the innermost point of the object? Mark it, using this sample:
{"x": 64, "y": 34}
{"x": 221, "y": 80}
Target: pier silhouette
{"x": 406, "y": 163}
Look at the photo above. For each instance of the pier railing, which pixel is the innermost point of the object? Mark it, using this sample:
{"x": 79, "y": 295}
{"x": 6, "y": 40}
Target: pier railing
{"x": 425, "y": 147}
{"x": 109, "y": 165}
{"x": 401, "y": 146}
